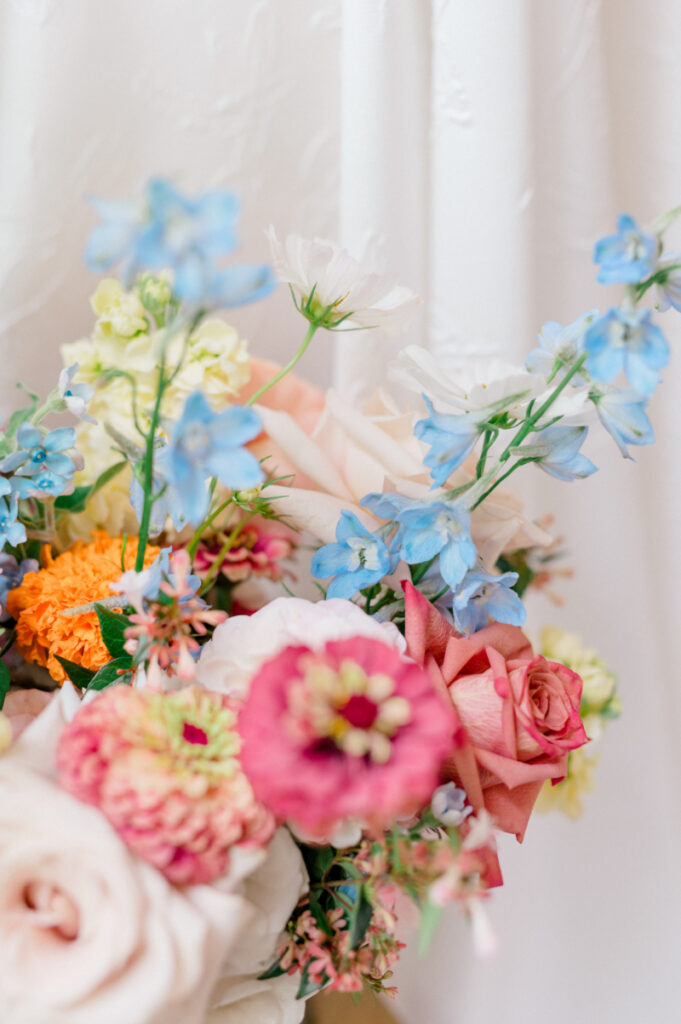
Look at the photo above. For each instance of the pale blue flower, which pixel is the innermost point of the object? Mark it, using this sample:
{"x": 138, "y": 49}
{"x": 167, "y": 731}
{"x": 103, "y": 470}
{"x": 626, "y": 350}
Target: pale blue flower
{"x": 450, "y": 438}
{"x": 625, "y": 339}
{"x": 556, "y": 451}
{"x": 205, "y": 444}
{"x": 450, "y": 805}
{"x": 38, "y": 453}
{"x": 623, "y": 414}
{"x": 429, "y": 529}
{"x": 483, "y": 596}
{"x": 191, "y": 237}
{"x": 558, "y": 344}
{"x": 76, "y": 396}
{"x": 45, "y": 484}
{"x": 11, "y": 531}
{"x": 11, "y": 574}
{"x": 137, "y": 588}
{"x": 357, "y": 559}
{"x": 628, "y": 256}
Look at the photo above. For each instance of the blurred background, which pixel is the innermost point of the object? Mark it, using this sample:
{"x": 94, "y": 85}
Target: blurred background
{"x": 478, "y": 150}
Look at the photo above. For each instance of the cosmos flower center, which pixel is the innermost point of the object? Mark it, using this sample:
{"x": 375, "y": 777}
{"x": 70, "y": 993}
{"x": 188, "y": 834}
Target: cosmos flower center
{"x": 357, "y": 712}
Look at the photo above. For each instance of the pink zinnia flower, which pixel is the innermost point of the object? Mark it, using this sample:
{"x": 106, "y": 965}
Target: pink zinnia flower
{"x": 259, "y": 550}
{"x": 352, "y": 730}
{"x": 163, "y": 768}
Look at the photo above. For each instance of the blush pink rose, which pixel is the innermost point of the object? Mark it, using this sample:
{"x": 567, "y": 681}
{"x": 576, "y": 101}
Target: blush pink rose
{"x": 518, "y": 713}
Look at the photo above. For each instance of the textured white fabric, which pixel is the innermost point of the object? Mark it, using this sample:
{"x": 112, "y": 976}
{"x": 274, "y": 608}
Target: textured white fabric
{"x": 478, "y": 149}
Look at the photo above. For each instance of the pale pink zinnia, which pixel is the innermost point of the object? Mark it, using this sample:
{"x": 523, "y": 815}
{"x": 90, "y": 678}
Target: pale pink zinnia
{"x": 164, "y": 770}
{"x": 259, "y": 550}
{"x": 351, "y": 730}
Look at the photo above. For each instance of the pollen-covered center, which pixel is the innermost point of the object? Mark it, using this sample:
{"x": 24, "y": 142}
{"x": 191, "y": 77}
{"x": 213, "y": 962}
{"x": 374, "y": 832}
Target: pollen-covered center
{"x": 345, "y": 707}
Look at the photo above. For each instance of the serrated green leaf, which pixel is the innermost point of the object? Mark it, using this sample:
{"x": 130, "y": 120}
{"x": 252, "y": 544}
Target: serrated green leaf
{"x": 361, "y": 917}
{"x": 113, "y": 626}
{"x": 430, "y": 919}
{"x": 5, "y": 682}
{"x": 78, "y": 674}
{"x": 113, "y": 672}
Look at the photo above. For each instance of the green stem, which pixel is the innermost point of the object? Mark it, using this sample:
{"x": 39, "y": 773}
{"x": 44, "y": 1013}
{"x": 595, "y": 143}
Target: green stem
{"x": 148, "y": 476}
{"x": 490, "y": 437}
{"x": 311, "y": 331}
{"x": 193, "y": 545}
{"x": 532, "y": 420}
{"x": 212, "y": 574}
{"x": 495, "y": 484}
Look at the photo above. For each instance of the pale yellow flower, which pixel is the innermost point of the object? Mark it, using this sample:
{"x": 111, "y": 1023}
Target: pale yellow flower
{"x": 214, "y": 360}
{"x": 567, "y": 796}
{"x": 119, "y": 312}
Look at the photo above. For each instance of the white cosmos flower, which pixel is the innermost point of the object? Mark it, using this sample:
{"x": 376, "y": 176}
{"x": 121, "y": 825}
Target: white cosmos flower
{"x": 480, "y": 384}
{"x": 338, "y": 280}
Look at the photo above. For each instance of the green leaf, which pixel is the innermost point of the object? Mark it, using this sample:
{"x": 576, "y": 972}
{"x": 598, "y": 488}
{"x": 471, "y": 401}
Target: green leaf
{"x": 430, "y": 919}
{"x": 318, "y": 860}
{"x": 360, "y": 920}
{"x": 308, "y": 985}
{"x": 320, "y": 917}
{"x": 275, "y": 971}
{"x": 78, "y": 499}
{"x": 78, "y": 674}
{"x": 113, "y": 626}
{"x": 21, "y": 415}
{"x": 110, "y": 673}
{"x": 4, "y": 683}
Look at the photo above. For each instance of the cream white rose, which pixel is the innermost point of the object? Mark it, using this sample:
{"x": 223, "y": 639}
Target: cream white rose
{"x": 90, "y": 934}
{"x": 243, "y": 643}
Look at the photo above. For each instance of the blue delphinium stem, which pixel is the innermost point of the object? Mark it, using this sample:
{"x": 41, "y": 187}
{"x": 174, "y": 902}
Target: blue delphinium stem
{"x": 148, "y": 469}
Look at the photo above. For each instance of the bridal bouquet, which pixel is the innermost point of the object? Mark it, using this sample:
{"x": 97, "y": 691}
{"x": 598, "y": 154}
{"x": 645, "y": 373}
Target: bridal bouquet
{"x": 232, "y": 777}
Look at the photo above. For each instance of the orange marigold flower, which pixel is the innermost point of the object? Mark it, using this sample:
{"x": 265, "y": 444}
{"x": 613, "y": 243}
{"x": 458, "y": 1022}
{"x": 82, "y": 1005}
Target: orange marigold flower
{"x": 77, "y": 577}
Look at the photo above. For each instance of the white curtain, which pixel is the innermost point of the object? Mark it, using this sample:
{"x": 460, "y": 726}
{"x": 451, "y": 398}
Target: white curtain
{"x": 477, "y": 148}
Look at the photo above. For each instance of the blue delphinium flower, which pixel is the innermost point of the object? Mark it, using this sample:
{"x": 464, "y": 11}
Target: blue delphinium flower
{"x": 628, "y": 256}
{"x": 11, "y": 531}
{"x": 12, "y": 573}
{"x": 556, "y": 451}
{"x": 623, "y": 414}
{"x": 427, "y": 529}
{"x": 357, "y": 558}
{"x": 558, "y": 344}
{"x": 483, "y": 596}
{"x": 451, "y": 439}
{"x": 189, "y": 236}
{"x": 38, "y": 453}
{"x": 205, "y": 444}
{"x": 626, "y": 339}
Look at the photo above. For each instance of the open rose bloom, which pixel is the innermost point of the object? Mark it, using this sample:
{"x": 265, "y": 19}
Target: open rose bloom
{"x": 518, "y": 714}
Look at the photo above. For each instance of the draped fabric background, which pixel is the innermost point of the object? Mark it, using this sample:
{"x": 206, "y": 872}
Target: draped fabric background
{"x": 477, "y": 149}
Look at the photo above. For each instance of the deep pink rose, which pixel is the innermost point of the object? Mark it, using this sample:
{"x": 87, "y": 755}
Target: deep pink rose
{"x": 518, "y": 713}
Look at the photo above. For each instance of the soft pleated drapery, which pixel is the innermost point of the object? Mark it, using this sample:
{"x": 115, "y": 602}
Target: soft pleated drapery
{"x": 477, "y": 149}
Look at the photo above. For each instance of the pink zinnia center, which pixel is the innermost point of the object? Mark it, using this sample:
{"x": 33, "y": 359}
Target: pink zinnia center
{"x": 194, "y": 734}
{"x": 360, "y": 712}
